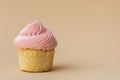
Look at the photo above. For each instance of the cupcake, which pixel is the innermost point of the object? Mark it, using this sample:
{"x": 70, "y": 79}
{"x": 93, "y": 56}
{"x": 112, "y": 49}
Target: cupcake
{"x": 36, "y": 47}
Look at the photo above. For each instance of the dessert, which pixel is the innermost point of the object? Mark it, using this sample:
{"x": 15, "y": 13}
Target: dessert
{"x": 36, "y": 47}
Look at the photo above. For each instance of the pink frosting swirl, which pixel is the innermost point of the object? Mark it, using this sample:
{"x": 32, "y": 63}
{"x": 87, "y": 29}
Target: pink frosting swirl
{"x": 35, "y": 36}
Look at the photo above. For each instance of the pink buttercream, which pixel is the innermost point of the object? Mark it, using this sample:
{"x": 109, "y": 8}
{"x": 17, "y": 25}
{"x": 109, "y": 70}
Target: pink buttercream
{"x": 35, "y": 36}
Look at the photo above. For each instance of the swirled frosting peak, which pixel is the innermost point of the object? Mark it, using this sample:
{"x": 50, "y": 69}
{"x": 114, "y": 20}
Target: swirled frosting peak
{"x": 35, "y": 36}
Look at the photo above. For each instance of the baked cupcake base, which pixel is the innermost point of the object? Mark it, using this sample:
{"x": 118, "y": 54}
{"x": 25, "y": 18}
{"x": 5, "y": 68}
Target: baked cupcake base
{"x": 35, "y": 61}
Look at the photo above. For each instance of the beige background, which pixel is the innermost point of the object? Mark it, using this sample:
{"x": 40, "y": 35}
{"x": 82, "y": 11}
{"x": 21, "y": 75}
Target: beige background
{"x": 88, "y": 34}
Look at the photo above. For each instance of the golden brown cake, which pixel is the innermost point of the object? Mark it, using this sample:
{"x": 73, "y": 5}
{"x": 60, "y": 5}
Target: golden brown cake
{"x": 36, "y": 61}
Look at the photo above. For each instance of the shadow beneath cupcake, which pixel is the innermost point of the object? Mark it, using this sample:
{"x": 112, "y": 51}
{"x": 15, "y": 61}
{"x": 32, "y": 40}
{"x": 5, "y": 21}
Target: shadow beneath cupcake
{"x": 80, "y": 67}
{"x": 63, "y": 68}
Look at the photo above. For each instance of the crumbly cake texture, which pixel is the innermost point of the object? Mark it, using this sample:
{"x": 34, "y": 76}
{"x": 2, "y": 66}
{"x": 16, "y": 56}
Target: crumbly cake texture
{"x": 35, "y": 61}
